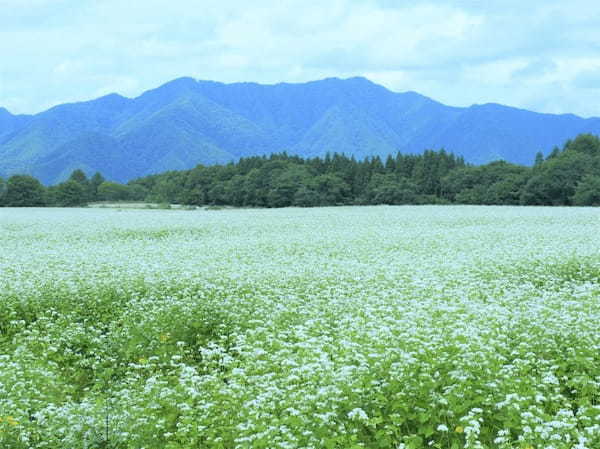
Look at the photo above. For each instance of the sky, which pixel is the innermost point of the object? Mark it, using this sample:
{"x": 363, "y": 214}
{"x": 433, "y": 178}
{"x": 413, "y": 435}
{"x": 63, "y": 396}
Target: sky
{"x": 542, "y": 55}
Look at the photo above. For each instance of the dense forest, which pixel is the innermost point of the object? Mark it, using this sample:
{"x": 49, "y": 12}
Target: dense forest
{"x": 568, "y": 176}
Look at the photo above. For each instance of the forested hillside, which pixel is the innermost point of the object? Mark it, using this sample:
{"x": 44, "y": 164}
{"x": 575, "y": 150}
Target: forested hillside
{"x": 187, "y": 122}
{"x": 567, "y": 176}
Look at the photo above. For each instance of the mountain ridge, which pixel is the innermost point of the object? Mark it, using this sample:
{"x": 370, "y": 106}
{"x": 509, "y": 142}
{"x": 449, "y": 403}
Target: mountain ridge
{"x": 185, "y": 122}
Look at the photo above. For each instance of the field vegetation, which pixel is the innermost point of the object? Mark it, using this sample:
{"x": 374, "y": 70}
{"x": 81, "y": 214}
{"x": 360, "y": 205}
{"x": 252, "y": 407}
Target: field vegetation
{"x": 327, "y": 328}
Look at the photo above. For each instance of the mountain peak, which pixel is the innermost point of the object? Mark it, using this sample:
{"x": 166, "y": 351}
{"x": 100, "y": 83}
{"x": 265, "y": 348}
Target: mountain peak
{"x": 185, "y": 122}
{"x": 352, "y": 81}
{"x": 112, "y": 99}
{"x": 359, "y": 79}
{"x": 179, "y": 83}
{"x": 171, "y": 89}
{"x": 112, "y": 96}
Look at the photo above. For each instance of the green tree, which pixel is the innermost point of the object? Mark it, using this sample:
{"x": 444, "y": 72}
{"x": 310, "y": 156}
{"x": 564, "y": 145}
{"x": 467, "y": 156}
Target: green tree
{"x": 24, "y": 191}
{"x": 218, "y": 194}
{"x": 387, "y": 189}
{"x": 428, "y": 171}
{"x": 474, "y": 195}
{"x": 536, "y": 192}
{"x": 94, "y": 183}
{"x": 235, "y": 192}
{"x": 556, "y": 182}
{"x": 195, "y": 188}
{"x": 285, "y": 183}
{"x": 539, "y": 160}
{"x": 256, "y": 188}
{"x": 495, "y": 183}
{"x": 331, "y": 188}
{"x": 584, "y": 143}
{"x": 281, "y": 180}
{"x": 70, "y": 194}
{"x": 169, "y": 188}
{"x": 79, "y": 176}
{"x": 306, "y": 197}
{"x": 2, "y": 191}
{"x": 587, "y": 192}
{"x": 136, "y": 192}
{"x": 112, "y": 191}
{"x": 554, "y": 153}
{"x": 506, "y": 191}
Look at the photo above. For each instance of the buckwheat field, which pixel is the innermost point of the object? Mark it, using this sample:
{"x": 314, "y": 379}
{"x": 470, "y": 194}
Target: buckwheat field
{"x": 335, "y": 328}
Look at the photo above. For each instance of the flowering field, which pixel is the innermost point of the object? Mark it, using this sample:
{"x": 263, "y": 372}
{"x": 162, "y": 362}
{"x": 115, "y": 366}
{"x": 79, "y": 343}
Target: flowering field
{"x": 367, "y": 327}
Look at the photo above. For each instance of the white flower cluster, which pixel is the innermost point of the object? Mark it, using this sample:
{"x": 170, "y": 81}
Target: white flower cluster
{"x": 399, "y": 327}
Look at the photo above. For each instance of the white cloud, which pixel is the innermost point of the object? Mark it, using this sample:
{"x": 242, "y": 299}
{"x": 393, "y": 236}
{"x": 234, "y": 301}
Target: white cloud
{"x": 459, "y": 52}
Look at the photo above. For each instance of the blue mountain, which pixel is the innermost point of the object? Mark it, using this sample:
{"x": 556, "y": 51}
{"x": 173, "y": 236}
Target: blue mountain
{"x": 187, "y": 122}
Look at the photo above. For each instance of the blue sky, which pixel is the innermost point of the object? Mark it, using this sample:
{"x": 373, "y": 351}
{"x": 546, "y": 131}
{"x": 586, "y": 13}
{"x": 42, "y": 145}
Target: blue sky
{"x": 542, "y": 55}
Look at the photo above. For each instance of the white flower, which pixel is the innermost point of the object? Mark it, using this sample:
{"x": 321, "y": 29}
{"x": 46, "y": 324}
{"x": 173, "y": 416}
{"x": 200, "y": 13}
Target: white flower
{"x": 358, "y": 414}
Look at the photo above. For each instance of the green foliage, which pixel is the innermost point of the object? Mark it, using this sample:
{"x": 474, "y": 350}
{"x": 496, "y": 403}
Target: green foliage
{"x": 79, "y": 176}
{"x": 2, "y": 190}
{"x": 281, "y": 180}
{"x": 24, "y": 191}
{"x": 555, "y": 182}
{"x": 306, "y": 197}
{"x": 495, "y": 183}
{"x": 587, "y": 192}
{"x": 539, "y": 159}
{"x": 69, "y": 194}
{"x": 388, "y": 189}
{"x": 585, "y": 144}
{"x": 95, "y": 182}
{"x": 112, "y": 191}
{"x": 136, "y": 192}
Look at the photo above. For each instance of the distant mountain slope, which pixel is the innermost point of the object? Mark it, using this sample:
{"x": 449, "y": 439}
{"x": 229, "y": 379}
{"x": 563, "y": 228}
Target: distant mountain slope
{"x": 186, "y": 122}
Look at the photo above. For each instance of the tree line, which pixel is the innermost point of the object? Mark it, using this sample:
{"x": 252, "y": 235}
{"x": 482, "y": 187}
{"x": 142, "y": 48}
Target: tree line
{"x": 567, "y": 176}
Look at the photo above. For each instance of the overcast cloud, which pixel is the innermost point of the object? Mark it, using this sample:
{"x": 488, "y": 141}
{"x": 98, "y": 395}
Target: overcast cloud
{"x": 542, "y": 55}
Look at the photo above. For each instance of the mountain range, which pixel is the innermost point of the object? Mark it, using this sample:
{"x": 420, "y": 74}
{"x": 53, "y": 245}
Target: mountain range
{"x": 187, "y": 122}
